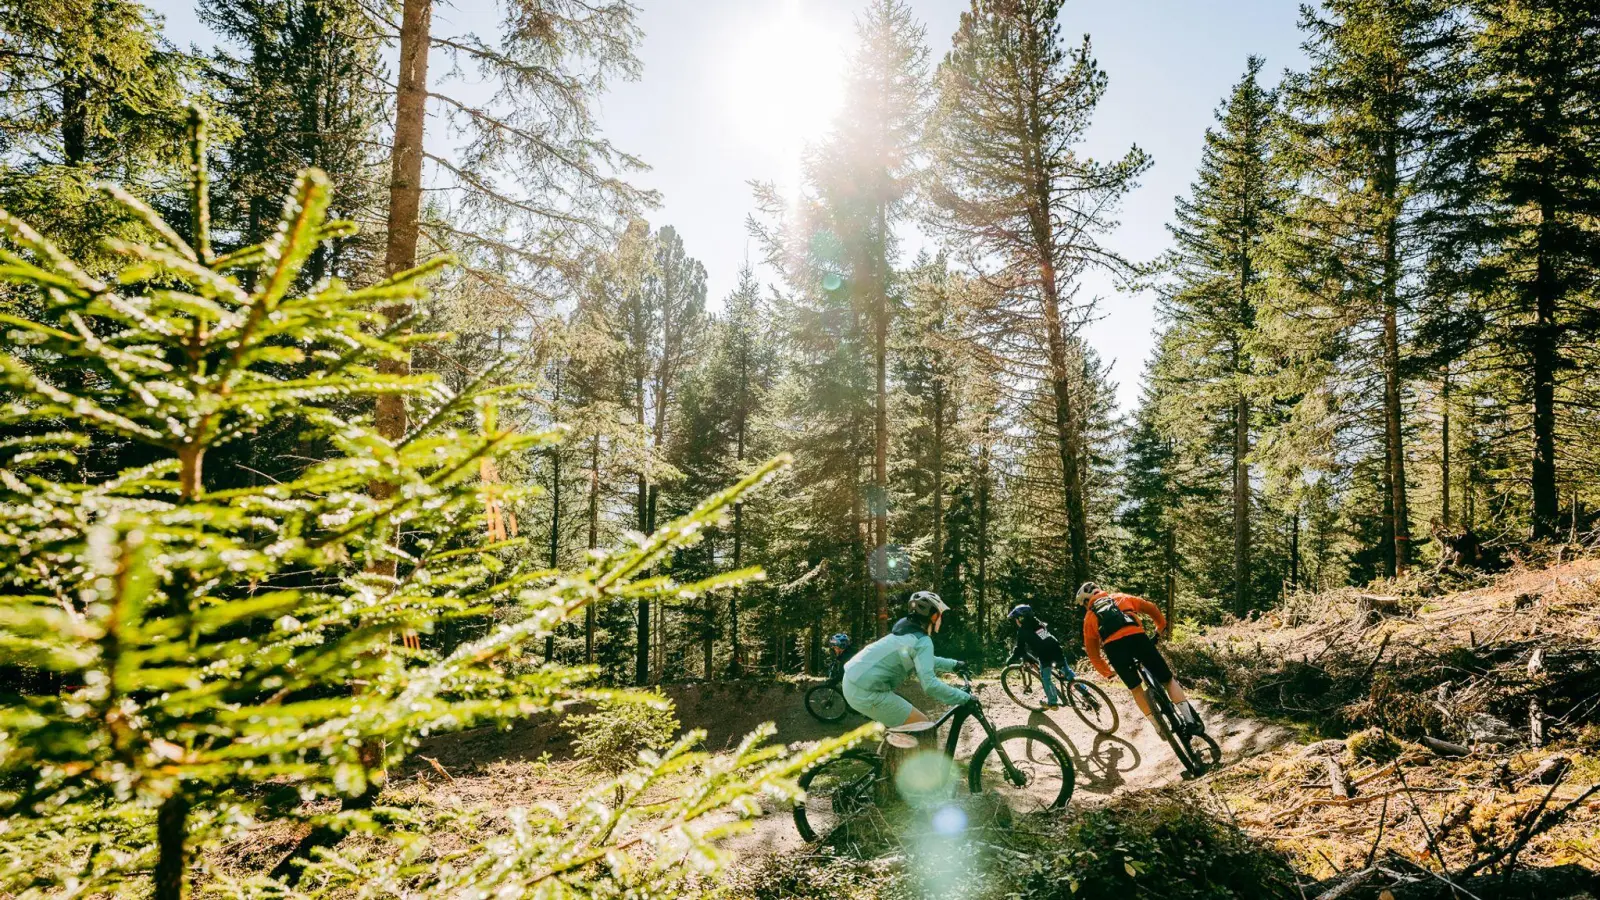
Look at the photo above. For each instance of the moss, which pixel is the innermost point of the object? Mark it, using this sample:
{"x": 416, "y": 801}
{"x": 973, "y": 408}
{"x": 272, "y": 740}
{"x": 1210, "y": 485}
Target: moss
{"x": 1374, "y": 745}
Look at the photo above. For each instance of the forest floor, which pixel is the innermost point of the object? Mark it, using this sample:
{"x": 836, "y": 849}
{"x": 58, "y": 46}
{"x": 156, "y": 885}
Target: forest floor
{"x": 1438, "y": 736}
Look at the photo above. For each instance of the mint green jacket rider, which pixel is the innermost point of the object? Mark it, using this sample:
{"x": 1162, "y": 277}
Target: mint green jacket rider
{"x": 871, "y": 676}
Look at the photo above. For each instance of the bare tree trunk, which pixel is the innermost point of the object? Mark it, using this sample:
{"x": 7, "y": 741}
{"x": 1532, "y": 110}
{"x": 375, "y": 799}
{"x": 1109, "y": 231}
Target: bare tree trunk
{"x": 1066, "y": 428}
{"x": 1444, "y": 452}
{"x": 594, "y": 542}
{"x": 641, "y": 658}
{"x": 172, "y": 856}
{"x": 880, "y": 453}
{"x": 1394, "y": 431}
{"x": 1241, "y": 507}
{"x": 938, "y": 484}
{"x": 555, "y": 512}
{"x": 983, "y": 543}
{"x": 75, "y": 120}
{"x": 1546, "y": 352}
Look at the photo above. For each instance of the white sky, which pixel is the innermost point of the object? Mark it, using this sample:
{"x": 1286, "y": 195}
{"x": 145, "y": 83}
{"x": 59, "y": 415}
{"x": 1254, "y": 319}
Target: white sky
{"x": 699, "y": 117}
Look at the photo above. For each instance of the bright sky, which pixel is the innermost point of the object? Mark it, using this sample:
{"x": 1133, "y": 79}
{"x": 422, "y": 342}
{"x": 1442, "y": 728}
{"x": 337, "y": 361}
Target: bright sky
{"x": 732, "y": 89}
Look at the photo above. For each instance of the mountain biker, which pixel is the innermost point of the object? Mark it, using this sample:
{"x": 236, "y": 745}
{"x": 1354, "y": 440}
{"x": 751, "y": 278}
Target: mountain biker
{"x": 1111, "y": 624}
{"x": 1034, "y": 639}
{"x": 839, "y": 647}
{"x": 871, "y": 676}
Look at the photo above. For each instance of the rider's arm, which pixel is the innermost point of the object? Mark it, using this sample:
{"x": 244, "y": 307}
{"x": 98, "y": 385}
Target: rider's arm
{"x": 1091, "y": 646}
{"x": 928, "y": 669}
{"x": 1144, "y": 606}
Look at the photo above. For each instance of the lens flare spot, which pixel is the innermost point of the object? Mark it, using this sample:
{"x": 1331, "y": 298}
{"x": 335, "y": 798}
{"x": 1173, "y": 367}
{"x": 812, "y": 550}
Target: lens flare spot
{"x": 950, "y": 821}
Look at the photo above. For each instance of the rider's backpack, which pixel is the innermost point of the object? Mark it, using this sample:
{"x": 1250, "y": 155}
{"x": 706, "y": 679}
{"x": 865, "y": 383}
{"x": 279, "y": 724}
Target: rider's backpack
{"x": 1111, "y": 617}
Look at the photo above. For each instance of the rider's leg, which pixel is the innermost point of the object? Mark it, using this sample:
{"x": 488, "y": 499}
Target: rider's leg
{"x": 916, "y": 716}
{"x": 1175, "y": 691}
{"x": 1050, "y": 695}
{"x": 1143, "y": 702}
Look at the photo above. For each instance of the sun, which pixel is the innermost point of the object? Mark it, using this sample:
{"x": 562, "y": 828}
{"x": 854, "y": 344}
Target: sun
{"x": 786, "y": 82}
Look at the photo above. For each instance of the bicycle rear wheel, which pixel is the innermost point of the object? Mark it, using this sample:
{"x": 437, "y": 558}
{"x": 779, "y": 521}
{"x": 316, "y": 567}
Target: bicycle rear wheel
{"x": 1092, "y": 705}
{"x": 826, "y": 702}
{"x": 1018, "y": 682}
{"x": 1039, "y": 776}
{"x": 836, "y": 792}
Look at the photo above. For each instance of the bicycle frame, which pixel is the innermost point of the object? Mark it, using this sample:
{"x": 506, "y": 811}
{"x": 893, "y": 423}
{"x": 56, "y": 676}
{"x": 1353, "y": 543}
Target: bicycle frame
{"x": 957, "y": 716}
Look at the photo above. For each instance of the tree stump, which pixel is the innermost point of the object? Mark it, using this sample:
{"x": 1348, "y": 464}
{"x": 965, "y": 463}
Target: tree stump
{"x": 1337, "y": 782}
{"x": 900, "y": 745}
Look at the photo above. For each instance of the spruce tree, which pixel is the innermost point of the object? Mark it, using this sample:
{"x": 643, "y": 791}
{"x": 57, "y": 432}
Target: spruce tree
{"x": 1363, "y": 125}
{"x": 209, "y": 680}
{"x": 1217, "y": 280}
{"x": 1519, "y": 179}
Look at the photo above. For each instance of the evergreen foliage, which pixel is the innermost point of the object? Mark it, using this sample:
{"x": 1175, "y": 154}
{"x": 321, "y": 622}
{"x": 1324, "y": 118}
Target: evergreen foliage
{"x": 227, "y": 656}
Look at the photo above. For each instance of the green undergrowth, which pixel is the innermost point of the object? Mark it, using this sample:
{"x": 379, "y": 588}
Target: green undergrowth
{"x": 1160, "y": 845}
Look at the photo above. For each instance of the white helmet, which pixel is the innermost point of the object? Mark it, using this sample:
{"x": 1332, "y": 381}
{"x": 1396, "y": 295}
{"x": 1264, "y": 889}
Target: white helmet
{"x": 927, "y": 604}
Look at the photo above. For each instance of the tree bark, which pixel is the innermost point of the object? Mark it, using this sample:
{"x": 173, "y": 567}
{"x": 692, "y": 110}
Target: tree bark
{"x": 938, "y": 484}
{"x": 880, "y": 453}
{"x": 1066, "y": 428}
{"x": 983, "y": 542}
{"x": 172, "y": 857}
{"x": 594, "y": 542}
{"x": 1394, "y": 432}
{"x": 1545, "y": 351}
{"x": 1241, "y": 507}
{"x": 75, "y": 120}
{"x": 1444, "y": 451}
{"x": 641, "y": 658}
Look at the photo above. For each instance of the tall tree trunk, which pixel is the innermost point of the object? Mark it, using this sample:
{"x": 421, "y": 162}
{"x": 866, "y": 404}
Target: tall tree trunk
{"x": 1170, "y": 579}
{"x": 938, "y": 485}
{"x": 983, "y": 543}
{"x": 555, "y": 510}
{"x": 1545, "y": 351}
{"x": 172, "y": 856}
{"x": 594, "y": 542}
{"x": 1394, "y": 432}
{"x": 75, "y": 120}
{"x": 1294, "y": 550}
{"x": 880, "y": 452}
{"x": 1066, "y": 427}
{"x": 1241, "y": 506}
{"x": 641, "y": 659}
{"x": 1444, "y": 451}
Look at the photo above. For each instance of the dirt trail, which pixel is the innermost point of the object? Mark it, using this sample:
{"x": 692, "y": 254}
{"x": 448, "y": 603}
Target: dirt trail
{"x": 1134, "y": 758}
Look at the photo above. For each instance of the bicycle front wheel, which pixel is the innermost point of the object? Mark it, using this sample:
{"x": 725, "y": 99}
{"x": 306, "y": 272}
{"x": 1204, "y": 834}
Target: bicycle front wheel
{"x": 1092, "y": 705}
{"x": 837, "y": 792}
{"x": 826, "y": 702}
{"x": 1027, "y": 768}
{"x": 1018, "y": 682}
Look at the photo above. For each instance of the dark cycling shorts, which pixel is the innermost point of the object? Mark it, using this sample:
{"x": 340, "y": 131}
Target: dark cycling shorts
{"x": 1125, "y": 654}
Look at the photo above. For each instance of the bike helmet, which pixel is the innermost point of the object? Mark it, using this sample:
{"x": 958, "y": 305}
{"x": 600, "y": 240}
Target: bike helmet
{"x": 840, "y": 641}
{"x": 1089, "y": 592}
{"x": 1020, "y": 610}
{"x": 927, "y": 604}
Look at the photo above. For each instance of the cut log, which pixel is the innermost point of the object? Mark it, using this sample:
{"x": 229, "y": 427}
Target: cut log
{"x": 1548, "y": 772}
{"x": 1536, "y": 662}
{"x": 1444, "y": 748}
{"x": 1535, "y": 724}
{"x": 1337, "y": 782}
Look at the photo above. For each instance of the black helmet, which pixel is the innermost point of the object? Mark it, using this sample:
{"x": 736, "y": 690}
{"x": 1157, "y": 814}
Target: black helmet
{"x": 927, "y": 604}
{"x": 1020, "y": 610}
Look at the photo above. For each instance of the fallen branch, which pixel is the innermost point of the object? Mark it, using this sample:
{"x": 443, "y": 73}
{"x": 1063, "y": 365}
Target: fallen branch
{"x": 438, "y": 768}
{"x": 1444, "y": 748}
{"x": 1349, "y": 884}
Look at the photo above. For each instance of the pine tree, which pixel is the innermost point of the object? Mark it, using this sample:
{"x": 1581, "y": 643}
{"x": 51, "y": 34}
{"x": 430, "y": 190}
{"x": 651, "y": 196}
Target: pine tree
{"x": 1218, "y": 279}
{"x": 1014, "y": 106}
{"x": 209, "y": 677}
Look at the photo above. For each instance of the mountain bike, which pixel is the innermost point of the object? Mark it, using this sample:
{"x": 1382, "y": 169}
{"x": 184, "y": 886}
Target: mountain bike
{"x": 826, "y": 701}
{"x": 1197, "y": 751}
{"x": 1027, "y": 768}
{"x": 1088, "y": 700}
